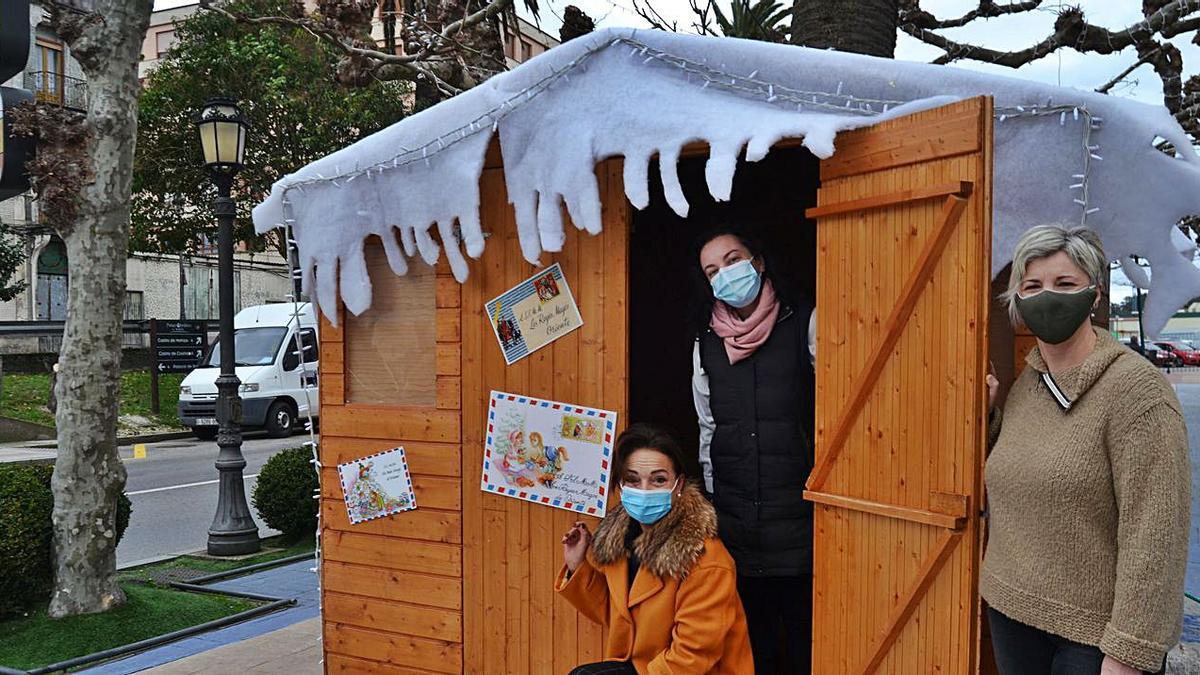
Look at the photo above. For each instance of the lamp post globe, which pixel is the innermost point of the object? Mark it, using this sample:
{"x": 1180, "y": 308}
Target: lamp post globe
{"x": 222, "y": 130}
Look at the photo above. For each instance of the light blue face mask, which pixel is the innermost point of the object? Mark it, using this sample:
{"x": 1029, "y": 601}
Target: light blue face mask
{"x": 646, "y": 506}
{"x": 738, "y": 284}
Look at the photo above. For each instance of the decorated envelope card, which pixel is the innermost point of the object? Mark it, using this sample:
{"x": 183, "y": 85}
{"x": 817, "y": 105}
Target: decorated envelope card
{"x": 547, "y": 452}
{"x": 377, "y": 486}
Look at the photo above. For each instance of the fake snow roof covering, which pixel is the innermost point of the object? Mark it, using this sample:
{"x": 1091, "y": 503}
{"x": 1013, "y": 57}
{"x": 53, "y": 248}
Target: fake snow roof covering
{"x": 1062, "y": 155}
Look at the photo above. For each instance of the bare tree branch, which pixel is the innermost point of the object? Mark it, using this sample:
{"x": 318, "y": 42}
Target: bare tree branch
{"x": 1070, "y": 30}
{"x": 653, "y": 17}
{"x": 432, "y": 60}
{"x": 911, "y": 12}
{"x": 1107, "y": 86}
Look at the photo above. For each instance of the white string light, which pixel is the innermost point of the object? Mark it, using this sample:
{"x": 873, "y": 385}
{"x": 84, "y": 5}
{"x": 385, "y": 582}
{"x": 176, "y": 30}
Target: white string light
{"x": 305, "y": 386}
{"x": 750, "y": 86}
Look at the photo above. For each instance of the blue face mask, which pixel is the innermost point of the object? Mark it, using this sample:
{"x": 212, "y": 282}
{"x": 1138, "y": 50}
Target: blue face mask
{"x": 646, "y": 506}
{"x": 738, "y": 284}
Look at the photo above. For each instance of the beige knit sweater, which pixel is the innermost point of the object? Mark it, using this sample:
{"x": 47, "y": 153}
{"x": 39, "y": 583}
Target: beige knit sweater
{"x": 1089, "y": 508}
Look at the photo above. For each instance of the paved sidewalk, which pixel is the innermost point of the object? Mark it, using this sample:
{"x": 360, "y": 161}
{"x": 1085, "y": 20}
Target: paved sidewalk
{"x": 295, "y": 650}
{"x": 295, "y": 580}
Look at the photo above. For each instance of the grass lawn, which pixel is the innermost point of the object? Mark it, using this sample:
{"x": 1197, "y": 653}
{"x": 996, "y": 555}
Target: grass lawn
{"x": 275, "y": 548}
{"x": 37, "y": 640}
{"x": 153, "y": 608}
{"x": 25, "y": 397}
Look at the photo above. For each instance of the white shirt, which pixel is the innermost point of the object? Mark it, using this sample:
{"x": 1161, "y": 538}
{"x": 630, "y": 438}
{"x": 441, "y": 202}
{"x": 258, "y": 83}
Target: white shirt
{"x": 700, "y": 396}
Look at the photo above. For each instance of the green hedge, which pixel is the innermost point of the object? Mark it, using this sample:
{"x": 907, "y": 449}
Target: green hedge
{"x": 26, "y": 531}
{"x": 285, "y": 489}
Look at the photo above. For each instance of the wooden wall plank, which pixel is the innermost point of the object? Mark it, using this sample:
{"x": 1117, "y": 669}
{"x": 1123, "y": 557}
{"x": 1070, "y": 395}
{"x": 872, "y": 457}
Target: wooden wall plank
{"x": 383, "y": 422}
{"x": 433, "y": 492}
{"x": 388, "y": 584}
{"x": 431, "y": 459}
{"x": 332, "y": 357}
{"x": 449, "y": 359}
{"x": 366, "y": 612}
{"x": 436, "y": 655}
{"x": 449, "y": 392}
{"x": 397, "y": 554}
{"x": 341, "y": 664}
{"x": 333, "y": 391}
{"x": 425, "y": 524}
{"x": 449, "y": 292}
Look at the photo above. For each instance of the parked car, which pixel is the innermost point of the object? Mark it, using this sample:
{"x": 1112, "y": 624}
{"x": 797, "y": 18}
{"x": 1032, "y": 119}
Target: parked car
{"x": 1183, "y": 351}
{"x": 272, "y": 374}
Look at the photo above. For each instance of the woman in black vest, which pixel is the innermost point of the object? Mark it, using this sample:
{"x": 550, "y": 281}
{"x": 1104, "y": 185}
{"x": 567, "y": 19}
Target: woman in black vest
{"x": 753, "y": 387}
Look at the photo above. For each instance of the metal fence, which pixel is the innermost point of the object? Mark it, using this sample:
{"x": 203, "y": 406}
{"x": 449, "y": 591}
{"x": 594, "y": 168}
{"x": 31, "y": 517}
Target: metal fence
{"x": 57, "y": 89}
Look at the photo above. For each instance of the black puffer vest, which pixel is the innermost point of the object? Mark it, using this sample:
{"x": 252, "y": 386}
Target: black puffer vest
{"x": 761, "y": 448}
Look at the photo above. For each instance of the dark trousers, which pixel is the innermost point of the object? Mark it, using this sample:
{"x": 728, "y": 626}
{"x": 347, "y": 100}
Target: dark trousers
{"x": 779, "y": 618}
{"x": 1024, "y": 650}
{"x": 605, "y": 668}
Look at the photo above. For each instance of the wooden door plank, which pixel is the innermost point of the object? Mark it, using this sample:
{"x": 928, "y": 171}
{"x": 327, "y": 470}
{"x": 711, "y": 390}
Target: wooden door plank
{"x": 908, "y": 602}
{"x": 885, "y": 147}
{"x": 890, "y": 199}
{"x": 923, "y": 269}
{"x": 888, "y": 510}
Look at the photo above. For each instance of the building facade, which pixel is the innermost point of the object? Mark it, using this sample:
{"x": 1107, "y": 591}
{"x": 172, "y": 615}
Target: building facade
{"x": 158, "y": 286}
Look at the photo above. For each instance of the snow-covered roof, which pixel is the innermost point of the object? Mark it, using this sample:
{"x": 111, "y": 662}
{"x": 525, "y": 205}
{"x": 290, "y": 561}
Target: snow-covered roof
{"x": 1062, "y": 155}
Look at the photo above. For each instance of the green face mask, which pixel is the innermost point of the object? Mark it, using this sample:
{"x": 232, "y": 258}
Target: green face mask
{"x": 1054, "y": 316}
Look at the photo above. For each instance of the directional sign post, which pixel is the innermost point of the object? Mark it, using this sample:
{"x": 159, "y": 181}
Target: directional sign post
{"x": 175, "y": 347}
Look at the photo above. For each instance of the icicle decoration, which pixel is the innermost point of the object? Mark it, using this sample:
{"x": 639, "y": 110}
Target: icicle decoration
{"x": 424, "y": 171}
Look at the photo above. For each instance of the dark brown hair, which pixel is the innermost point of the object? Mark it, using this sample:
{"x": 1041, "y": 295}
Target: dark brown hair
{"x": 645, "y": 436}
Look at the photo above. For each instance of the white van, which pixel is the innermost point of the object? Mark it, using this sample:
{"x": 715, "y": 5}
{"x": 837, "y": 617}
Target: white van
{"x": 269, "y": 368}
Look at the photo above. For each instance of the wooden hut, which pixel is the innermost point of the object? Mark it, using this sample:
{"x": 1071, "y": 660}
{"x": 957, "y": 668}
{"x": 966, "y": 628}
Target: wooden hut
{"x": 891, "y": 235}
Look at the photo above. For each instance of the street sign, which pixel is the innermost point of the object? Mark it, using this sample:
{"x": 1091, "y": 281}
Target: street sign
{"x": 192, "y": 355}
{"x": 166, "y": 341}
{"x": 177, "y": 347}
{"x": 179, "y": 327}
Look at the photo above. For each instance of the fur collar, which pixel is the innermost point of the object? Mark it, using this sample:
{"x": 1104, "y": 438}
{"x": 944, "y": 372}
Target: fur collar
{"x": 672, "y": 547}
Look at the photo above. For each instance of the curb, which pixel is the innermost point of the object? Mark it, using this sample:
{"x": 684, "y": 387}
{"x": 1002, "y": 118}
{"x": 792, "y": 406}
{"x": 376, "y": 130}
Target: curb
{"x": 125, "y": 440}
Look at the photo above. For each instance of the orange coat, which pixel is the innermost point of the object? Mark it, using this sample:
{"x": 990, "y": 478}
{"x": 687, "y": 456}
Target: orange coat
{"x": 687, "y": 618}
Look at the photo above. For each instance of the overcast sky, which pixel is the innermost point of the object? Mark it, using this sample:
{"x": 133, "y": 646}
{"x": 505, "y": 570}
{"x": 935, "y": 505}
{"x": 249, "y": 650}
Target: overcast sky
{"x": 1066, "y": 67}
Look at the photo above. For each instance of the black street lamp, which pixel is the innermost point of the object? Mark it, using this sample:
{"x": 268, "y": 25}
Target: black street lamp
{"x": 223, "y": 138}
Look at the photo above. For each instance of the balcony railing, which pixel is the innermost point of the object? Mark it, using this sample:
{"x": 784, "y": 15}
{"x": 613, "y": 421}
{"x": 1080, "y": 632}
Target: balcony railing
{"x": 57, "y": 89}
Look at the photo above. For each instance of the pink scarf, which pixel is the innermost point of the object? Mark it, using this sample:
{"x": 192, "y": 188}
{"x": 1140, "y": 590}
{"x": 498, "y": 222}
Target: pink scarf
{"x": 743, "y": 336}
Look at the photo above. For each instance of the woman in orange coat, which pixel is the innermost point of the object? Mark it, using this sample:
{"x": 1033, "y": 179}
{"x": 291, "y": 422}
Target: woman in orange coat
{"x": 657, "y": 576}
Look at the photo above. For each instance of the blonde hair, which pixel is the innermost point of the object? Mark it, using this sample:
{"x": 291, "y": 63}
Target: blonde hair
{"x": 1081, "y": 245}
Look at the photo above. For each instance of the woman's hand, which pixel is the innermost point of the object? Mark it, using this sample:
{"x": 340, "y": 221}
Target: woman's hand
{"x": 575, "y": 543}
{"x": 993, "y": 385}
{"x": 1111, "y": 666}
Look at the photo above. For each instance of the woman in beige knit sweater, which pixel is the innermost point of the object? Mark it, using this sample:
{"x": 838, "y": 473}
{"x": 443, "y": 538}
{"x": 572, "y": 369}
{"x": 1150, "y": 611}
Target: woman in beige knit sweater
{"x": 1088, "y": 483}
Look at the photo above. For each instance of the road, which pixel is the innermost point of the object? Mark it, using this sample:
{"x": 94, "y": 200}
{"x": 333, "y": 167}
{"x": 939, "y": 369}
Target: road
{"x": 1189, "y": 396}
{"x": 174, "y": 494}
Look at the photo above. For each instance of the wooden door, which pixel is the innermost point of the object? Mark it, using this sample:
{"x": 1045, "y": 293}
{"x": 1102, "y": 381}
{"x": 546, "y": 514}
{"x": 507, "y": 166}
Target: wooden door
{"x": 514, "y": 623}
{"x": 904, "y": 237}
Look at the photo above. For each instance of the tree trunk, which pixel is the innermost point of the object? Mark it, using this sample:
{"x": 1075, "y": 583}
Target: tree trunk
{"x": 88, "y": 474}
{"x": 859, "y": 26}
